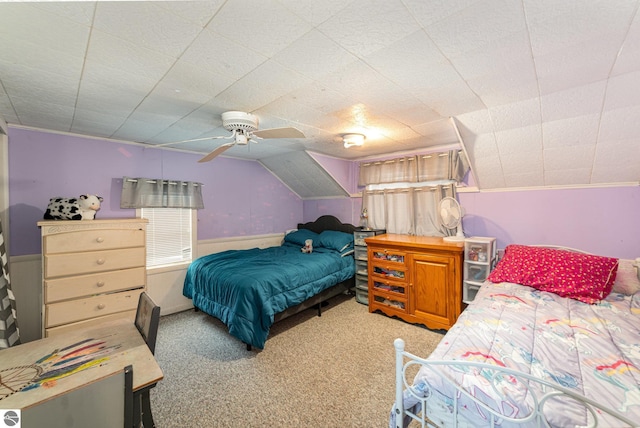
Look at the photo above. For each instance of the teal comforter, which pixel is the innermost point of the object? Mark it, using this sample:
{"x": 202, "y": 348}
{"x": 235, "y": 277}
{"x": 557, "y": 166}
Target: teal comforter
{"x": 246, "y": 288}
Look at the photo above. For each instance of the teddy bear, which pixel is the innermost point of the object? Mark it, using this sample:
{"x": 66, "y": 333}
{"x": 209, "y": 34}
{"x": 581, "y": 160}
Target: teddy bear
{"x": 308, "y": 246}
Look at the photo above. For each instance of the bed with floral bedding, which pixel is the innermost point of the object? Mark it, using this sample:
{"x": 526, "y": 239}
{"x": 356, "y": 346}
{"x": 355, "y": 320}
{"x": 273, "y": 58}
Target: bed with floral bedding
{"x": 551, "y": 339}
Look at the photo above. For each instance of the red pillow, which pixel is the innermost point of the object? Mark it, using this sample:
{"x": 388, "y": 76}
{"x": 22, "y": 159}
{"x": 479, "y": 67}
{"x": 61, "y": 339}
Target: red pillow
{"x": 582, "y": 277}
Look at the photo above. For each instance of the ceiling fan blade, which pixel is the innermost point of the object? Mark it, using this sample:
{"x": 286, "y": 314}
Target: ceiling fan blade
{"x": 279, "y": 133}
{"x": 216, "y": 152}
{"x": 189, "y": 141}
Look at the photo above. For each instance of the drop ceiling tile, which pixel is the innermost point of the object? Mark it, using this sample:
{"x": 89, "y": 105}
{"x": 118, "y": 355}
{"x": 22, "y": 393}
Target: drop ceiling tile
{"x": 413, "y": 62}
{"x": 119, "y": 102}
{"x": 524, "y": 179}
{"x": 319, "y": 97}
{"x": 23, "y": 21}
{"x": 221, "y": 56}
{"x": 475, "y": 122}
{"x": 365, "y": 26}
{"x": 146, "y": 24}
{"x": 476, "y": 26}
{"x": 451, "y": 100}
{"x": 483, "y": 146}
{"x": 570, "y": 157}
{"x": 266, "y": 26}
{"x": 516, "y": 115}
{"x": 581, "y": 101}
{"x": 308, "y": 55}
{"x": 199, "y": 12}
{"x": 76, "y": 11}
{"x": 118, "y": 79}
{"x": 629, "y": 57}
{"x": 623, "y": 91}
{"x": 570, "y": 67}
{"x": 138, "y": 130}
{"x": 187, "y": 80}
{"x": 488, "y": 171}
{"x": 429, "y": 12}
{"x": 527, "y": 140}
{"x": 498, "y": 90}
{"x": 315, "y": 12}
{"x": 567, "y": 177}
{"x": 36, "y": 85}
{"x": 411, "y": 112}
{"x": 573, "y": 23}
{"x": 95, "y": 129}
{"x": 263, "y": 85}
{"x": 620, "y": 124}
{"x": 574, "y": 131}
{"x": 117, "y": 53}
{"x": 522, "y": 163}
{"x": 40, "y": 58}
{"x": 298, "y": 112}
{"x": 617, "y": 162}
{"x": 503, "y": 56}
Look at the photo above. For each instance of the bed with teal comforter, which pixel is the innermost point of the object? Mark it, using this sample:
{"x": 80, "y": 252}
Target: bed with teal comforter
{"x": 245, "y": 289}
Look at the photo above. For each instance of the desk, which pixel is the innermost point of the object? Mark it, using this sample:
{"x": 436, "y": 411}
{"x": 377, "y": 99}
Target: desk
{"x": 45, "y": 368}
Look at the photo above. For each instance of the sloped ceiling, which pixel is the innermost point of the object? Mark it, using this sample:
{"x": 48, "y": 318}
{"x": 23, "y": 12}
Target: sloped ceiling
{"x": 544, "y": 92}
{"x": 303, "y": 175}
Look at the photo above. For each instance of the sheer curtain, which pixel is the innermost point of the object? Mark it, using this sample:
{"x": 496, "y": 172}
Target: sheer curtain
{"x": 408, "y": 211}
{"x": 155, "y": 193}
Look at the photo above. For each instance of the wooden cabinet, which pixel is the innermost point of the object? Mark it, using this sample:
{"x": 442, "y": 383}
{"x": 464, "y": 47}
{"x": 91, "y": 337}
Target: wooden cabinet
{"x": 93, "y": 271}
{"x": 416, "y": 278}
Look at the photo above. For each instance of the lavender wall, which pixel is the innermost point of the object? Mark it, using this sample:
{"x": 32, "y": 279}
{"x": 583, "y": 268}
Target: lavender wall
{"x": 599, "y": 220}
{"x": 241, "y": 197}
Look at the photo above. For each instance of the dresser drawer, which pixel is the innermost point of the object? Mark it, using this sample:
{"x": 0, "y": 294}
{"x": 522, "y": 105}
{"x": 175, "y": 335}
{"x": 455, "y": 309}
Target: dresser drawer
{"x": 93, "y": 322}
{"x": 87, "y": 285}
{"x": 56, "y": 265}
{"x": 93, "y": 240}
{"x": 90, "y": 307}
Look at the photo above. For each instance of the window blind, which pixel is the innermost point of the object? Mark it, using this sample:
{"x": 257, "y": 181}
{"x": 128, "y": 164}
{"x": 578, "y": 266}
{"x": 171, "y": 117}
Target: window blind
{"x": 169, "y": 235}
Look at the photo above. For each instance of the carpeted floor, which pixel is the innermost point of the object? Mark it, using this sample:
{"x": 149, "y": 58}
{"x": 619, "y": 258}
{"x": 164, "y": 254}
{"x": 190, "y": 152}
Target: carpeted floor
{"x": 336, "y": 370}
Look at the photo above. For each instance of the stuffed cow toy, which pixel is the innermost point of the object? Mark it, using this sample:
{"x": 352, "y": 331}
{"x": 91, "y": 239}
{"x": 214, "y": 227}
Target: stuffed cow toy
{"x": 81, "y": 208}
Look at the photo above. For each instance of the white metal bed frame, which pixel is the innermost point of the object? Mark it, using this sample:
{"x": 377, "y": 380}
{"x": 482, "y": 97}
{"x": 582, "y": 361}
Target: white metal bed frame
{"x": 495, "y": 374}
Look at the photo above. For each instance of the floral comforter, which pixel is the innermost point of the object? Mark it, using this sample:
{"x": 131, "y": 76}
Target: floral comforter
{"x": 591, "y": 349}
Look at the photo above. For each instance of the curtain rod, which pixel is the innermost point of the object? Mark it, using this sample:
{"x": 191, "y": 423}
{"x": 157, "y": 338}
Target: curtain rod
{"x": 133, "y": 180}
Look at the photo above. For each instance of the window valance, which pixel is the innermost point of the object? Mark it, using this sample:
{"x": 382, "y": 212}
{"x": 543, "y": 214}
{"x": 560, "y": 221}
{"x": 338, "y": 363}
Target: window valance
{"x": 449, "y": 165}
{"x": 157, "y": 193}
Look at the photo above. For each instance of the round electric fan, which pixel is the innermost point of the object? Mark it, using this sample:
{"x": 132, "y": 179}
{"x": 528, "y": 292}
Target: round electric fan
{"x": 451, "y": 214}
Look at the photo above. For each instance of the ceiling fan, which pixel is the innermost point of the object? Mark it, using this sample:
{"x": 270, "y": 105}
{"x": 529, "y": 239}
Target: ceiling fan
{"x": 244, "y": 128}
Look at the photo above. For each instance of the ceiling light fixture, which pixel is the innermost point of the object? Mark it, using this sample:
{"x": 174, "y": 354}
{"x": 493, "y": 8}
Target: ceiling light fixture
{"x": 351, "y": 140}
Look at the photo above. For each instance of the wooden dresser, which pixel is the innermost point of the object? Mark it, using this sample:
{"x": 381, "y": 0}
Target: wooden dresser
{"x": 416, "y": 278}
{"x": 93, "y": 271}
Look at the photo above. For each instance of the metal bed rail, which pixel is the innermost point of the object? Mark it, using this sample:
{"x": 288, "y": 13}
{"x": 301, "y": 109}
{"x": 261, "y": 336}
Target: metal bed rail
{"x": 539, "y": 395}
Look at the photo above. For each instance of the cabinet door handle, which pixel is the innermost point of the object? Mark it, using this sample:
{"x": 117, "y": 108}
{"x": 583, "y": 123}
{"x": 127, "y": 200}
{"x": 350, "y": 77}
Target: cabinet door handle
{"x": 101, "y": 306}
{"x": 100, "y": 283}
{"x": 99, "y": 239}
{"x": 100, "y": 261}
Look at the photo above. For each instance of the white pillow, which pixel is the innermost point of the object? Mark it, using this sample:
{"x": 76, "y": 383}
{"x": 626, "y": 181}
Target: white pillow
{"x": 628, "y": 278}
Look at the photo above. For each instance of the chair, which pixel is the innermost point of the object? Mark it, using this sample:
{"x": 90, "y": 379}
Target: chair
{"x": 104, "y": 403}
{"x": 147, "y": 320}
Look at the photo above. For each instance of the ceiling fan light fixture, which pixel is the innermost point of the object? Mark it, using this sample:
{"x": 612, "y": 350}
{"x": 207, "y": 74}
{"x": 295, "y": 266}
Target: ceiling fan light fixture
{"x": 351, "y": 140}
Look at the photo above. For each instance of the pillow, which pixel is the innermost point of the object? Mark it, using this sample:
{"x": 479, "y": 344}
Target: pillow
{"x": 584, "y": 277}
{"x": 335, "y": 240}
{"x": 299, "y": 236}
{"x": 627, "y": 280}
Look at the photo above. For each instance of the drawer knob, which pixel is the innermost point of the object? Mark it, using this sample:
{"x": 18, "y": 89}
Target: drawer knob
{"x": 100, "y": 283}
{"x": 99, "y": 239}
{"x": 100, "y": 261}
{"x": 101, "y": 306}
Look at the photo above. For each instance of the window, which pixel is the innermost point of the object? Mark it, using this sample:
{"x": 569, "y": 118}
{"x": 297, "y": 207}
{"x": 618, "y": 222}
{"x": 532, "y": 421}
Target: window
{"x": 170, "y": 234}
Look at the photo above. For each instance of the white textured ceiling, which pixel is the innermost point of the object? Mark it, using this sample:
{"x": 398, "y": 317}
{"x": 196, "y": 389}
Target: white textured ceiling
{"x": 544, "y": 92}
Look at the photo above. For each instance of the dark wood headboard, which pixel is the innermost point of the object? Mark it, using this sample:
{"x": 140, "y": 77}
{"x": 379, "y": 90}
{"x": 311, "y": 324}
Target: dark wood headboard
{"x": 327, "y": 222}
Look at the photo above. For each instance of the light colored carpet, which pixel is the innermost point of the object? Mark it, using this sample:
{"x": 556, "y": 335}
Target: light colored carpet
{"x": 336, "y": 370}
